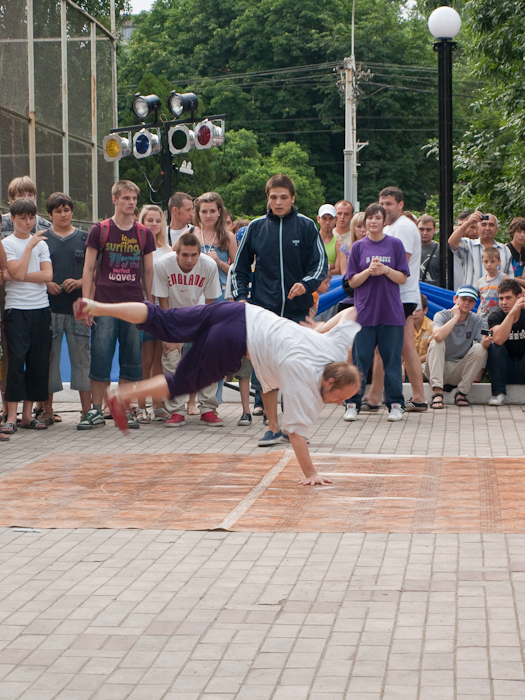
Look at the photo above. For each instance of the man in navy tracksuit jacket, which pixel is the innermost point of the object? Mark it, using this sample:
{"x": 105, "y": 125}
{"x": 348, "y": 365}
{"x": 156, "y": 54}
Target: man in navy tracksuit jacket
{"x": 290, "y": 264}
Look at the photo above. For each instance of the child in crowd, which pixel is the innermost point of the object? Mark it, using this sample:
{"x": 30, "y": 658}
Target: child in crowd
{"x": 27, "y": 319}
{"x": 422, "y": 329}
{"x": 321, "y": 289}
{"x": 516, "y": 246}
{"x": 489, "y": 283}
{"x": 21, "y": 188}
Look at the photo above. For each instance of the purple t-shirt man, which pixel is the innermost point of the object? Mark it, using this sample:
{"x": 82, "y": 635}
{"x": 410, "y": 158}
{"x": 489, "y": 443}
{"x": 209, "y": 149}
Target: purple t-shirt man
{"x": 119, "y": 276}
{"x": 378, "y": 300}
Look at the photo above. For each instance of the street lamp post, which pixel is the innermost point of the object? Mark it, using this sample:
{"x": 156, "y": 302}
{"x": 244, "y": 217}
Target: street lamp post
{"x": 444, "y": 23}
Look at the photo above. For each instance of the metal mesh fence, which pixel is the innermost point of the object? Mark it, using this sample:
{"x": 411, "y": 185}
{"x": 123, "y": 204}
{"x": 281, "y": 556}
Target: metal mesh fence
{"x": 51, "y": 52}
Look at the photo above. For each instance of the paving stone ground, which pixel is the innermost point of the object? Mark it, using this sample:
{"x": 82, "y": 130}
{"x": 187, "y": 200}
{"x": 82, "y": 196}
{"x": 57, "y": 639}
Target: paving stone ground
{"x": 171, "y": 615}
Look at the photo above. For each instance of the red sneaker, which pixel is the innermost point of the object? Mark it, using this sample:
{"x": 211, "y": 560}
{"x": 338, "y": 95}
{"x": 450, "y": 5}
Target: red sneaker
{"x": 118, "y": 410}
{"x": 211, "y": 418}
{"x": 174, "y": 421}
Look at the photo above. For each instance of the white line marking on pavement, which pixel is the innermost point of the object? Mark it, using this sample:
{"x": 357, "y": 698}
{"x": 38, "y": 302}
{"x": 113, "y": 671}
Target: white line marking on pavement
{"x": 253, "y": 495}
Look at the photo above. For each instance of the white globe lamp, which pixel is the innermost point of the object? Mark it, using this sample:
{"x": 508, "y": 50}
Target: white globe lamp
{"x": 444, "y": 23}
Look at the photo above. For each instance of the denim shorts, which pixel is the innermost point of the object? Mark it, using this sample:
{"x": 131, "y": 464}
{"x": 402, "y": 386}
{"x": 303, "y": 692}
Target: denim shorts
{"x": 146, "y": 337}
{"x": 77, "y": 336}
{"x": 104, "y": 335}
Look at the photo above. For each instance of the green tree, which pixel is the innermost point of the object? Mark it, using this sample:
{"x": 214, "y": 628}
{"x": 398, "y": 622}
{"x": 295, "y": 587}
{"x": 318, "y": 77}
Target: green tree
{"x": 241, "y": 57}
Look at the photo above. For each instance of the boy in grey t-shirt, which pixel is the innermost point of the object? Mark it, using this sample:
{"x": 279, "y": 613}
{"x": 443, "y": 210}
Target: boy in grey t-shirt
{"x": 458, "y": 351}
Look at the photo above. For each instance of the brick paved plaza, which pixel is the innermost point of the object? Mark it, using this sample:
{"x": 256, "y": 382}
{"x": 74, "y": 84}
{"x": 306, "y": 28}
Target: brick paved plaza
{"x": 102, "y": 613}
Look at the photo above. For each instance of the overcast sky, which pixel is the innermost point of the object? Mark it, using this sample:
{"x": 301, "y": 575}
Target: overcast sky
{"x": 140, "y": 5}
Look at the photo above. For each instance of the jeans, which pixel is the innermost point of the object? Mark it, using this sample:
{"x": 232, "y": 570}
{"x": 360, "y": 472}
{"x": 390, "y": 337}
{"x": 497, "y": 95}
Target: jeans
{"x": 503, "y": 369}
{"x": 389, "y": 341}
{"x": 77, "y": 336}
{"x": 105, "y": 332}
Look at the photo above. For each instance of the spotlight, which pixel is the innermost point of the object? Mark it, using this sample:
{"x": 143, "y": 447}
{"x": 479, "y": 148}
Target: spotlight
{"x": 146, "y": 144}
{"x": 208, "y": 135}
{"x": 142, "y": 105}
{"x": 178, "y": 104}
{"x": 181, "y": 139}
{"x": 115, "y": 147}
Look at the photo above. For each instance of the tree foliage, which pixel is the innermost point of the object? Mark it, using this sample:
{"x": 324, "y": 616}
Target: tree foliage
{"x": 241, "y": 59}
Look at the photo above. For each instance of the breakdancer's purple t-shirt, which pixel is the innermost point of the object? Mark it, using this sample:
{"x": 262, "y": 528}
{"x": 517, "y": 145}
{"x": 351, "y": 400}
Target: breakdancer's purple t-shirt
{"x": 378, "y": 300}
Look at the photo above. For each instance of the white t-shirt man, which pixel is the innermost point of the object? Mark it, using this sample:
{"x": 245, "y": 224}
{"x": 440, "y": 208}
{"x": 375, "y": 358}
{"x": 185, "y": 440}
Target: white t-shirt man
{"x": 293, "y": 358}
{"x": 26, "y": 295}
{"x": 186, "y": 288}
{"x": 175, "y": 233}
{"x": 407, "y": 232}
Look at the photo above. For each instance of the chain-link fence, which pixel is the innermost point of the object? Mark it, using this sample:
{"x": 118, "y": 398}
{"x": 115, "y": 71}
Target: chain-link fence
{"x": 57, "y": 77}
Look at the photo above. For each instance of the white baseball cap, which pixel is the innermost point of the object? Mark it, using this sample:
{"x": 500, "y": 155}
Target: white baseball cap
{"x": 327, "y": 209}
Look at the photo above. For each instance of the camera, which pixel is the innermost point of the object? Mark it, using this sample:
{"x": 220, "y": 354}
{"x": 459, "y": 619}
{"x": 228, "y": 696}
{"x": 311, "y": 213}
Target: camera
{"x": 484, "y": 331}
{"x": 484, "y": 217}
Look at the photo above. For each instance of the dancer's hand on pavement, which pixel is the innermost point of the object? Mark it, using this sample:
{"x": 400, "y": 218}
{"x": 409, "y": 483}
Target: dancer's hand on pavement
{"x": 315, "y": 480}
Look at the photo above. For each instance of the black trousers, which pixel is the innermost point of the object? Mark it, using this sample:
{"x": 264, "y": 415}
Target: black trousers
{"x": 28, "y": 336}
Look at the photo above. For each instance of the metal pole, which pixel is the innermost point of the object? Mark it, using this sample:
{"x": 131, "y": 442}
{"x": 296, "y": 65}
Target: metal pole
{"x": 94, "y": 150}
{"x": 166, "y": 164}
{"x": 65, "y": 92}
{"x": 350, "y": 150}
{"x": 444, "y": 47}
{"x": 31, "y": 90}
{"x": 113, "y": 27}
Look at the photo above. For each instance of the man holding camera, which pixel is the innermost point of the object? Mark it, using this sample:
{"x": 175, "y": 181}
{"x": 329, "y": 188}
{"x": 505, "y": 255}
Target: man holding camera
{"x": 458, "y": 349}
{"x": 468, "y": 251}
{"x": 506, "y": 361}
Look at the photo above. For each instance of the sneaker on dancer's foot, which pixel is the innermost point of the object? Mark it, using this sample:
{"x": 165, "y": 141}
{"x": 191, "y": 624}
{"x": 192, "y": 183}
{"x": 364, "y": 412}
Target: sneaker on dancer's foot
{"x": 118, "y": 409}
{"x": 211, "y": 418}
{"x": 245, "y": 419}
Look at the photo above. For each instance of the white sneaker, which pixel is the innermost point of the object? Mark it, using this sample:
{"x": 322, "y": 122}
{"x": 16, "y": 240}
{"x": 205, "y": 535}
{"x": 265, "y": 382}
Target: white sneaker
{"x": 351, "y": 412}
{"x": 497, "y": 400}
{"x": 396, "y": 412}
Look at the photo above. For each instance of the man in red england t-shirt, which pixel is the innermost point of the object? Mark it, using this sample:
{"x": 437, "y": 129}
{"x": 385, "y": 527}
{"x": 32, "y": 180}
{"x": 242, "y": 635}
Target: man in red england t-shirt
{"x": 118, "y": 278}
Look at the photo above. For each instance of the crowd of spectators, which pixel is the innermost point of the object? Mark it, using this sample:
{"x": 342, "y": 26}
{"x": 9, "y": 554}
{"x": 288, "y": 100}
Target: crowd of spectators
{"x": 197, "y": 254}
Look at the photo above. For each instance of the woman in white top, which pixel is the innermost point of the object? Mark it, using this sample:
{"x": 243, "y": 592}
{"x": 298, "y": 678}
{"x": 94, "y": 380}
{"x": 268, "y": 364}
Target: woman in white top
{"x": 151, "y": 216}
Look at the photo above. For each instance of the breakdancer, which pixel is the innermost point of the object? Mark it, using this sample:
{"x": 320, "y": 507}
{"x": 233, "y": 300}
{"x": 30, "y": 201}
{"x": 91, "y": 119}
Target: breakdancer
{"x": 309, "y": 367}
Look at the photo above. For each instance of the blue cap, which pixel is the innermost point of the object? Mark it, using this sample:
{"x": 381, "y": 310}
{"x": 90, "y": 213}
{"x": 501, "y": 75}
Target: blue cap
{"x": 467, "y": 291}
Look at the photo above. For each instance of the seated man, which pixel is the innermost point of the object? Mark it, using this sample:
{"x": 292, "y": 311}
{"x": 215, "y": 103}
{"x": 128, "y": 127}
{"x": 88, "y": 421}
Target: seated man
{"x": 310, "y": 368}
{"x": 458, "y": 350}
{"x": 506, "y": 361}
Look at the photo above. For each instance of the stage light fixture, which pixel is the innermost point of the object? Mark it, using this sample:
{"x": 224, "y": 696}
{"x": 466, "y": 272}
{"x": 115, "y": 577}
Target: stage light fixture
{"x": 146, "y": 144}
{"x": 116, "y": 147}
{"x": 181, "y": 139}
{"x": 208, "y": 134}
{"x": 142, "y": 105}
{"x": 178, "y": 104}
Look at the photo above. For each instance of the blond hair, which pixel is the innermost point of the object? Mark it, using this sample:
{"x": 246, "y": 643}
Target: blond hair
{"x": 357, "y": 220}
{"x": 19, "y": 187}
{"x": 119, "y": 187}
{"x": 161, "y": 239}
{"x": 223, "y": 240}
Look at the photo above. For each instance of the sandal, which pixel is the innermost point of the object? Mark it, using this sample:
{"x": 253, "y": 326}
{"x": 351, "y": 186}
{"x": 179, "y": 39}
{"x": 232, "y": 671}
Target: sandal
{"x": 34, "y": 424}
{"x": 159, "y": 414}
{"x": 143, "y": 416}
{"x": 460, "y": 399}
{"x": 57, "y": 418}
{"x": 437, "y": 401}
{"x": 4, "y": 437}
{"x": 9, "y": 429}
{"x": 44, "y": 417}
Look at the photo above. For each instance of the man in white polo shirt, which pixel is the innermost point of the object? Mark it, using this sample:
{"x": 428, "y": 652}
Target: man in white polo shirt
{"x": 186, "y": 278}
